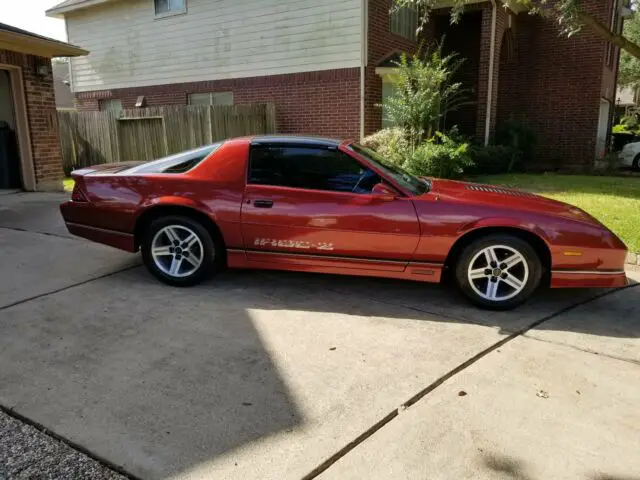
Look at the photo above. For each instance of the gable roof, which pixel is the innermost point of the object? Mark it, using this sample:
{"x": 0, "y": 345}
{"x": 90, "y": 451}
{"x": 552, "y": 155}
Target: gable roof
{"x": 23, "y": 41}
{"x": 71, "y": 5}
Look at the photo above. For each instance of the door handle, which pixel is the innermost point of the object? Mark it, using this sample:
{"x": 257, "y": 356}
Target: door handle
{"x": 263, "y": 203}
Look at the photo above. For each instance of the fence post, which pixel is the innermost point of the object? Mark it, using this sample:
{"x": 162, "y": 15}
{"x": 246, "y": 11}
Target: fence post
{"x": 271, "y": 118}
{"x": 210, "y": 129}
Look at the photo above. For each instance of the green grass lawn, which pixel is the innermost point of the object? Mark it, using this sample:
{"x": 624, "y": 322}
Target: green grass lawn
{"x": 68, "y": 184}
{"x": 615, "y": 201}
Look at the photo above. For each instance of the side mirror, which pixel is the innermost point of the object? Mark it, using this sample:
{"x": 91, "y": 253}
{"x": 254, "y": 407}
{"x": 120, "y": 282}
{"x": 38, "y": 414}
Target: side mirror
{"x": 384, "y": 192}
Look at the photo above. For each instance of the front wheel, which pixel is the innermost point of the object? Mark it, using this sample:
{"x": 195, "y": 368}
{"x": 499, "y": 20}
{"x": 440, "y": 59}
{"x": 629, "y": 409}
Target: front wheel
{"x": 498, "y": 272}
{"x": 636, "y": 163}
{"x": 179, "y": 251}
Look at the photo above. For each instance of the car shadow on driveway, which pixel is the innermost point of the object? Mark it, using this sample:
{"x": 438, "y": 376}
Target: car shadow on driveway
{"x": 442, "y": 303}
{"x": 154, "y": 379}
{"x": 163, "y": 380}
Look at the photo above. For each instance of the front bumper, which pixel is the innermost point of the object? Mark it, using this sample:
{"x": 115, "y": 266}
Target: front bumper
{"x": 588, "y": 279}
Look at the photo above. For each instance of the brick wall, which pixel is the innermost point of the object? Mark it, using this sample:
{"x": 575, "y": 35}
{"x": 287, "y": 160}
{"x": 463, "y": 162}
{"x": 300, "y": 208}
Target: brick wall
{"x": 321, "y": 103}
{"x": 381, "y": 43}
{"x": 556, "y": 84}
{"x": 325, "y": 103}
{"x": 41, "y": 116}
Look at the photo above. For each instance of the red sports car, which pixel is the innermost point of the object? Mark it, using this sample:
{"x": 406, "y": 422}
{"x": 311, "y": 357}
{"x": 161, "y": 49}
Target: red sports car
{"x": 316, "y": 205}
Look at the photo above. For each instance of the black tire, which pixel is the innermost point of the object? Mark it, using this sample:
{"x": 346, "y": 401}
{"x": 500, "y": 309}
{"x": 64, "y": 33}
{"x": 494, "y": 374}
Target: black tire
{"x": 472, "y": 253}
{"x": 636, "y": 163}
{"x": 210, "y": 248}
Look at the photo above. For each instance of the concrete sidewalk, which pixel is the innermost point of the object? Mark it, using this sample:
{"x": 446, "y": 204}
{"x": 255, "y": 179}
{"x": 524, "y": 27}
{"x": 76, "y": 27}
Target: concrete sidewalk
{"x": 268, "y": 375}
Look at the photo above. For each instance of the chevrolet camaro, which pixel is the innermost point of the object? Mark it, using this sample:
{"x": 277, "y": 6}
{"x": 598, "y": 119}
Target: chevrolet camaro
{"x": 318, "y": 205}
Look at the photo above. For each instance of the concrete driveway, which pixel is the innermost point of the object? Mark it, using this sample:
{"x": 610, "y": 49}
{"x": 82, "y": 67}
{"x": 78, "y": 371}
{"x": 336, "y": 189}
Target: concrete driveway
{"x": 276, "y": 375}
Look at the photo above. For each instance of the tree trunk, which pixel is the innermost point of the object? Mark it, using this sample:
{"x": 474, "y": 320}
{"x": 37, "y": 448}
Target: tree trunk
{"x": 602, "y": 30}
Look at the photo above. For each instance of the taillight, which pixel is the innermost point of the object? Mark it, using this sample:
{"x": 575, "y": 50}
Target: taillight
{"x": 77, "y": 195}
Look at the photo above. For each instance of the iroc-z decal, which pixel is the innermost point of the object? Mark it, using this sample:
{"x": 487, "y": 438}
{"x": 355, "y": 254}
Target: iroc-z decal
{"x": 302, "y": 245}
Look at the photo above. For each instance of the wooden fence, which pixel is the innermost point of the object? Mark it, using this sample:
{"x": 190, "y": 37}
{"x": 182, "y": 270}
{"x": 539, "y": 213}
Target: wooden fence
{"x": 90, "y": 138}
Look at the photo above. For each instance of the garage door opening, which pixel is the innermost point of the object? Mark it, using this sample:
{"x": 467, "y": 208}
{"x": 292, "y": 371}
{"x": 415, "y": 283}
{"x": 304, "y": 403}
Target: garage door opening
{"x": 9, "y": 153}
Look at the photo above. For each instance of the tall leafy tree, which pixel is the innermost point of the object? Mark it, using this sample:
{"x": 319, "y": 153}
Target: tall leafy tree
{"x": 568, "y": 15}
{"x": 629, "y": 73}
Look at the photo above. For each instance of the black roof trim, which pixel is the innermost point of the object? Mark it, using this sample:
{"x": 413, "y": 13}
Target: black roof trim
{"x": 391, "y": 60}
{"x": 295, "y": 141}
{"x": 12, "y": 29}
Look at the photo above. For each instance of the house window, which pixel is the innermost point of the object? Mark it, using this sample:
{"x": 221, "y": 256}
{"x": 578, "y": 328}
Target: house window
{"x": 170, "y": 7}
{"x": 111, "y": 105}
{"x": 404, "y": 22}
{"x": 213, "y": 98}
{"x": 388, "y": 90}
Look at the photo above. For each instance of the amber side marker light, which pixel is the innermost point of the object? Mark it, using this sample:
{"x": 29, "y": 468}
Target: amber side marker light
{"x": 572, "y": 254}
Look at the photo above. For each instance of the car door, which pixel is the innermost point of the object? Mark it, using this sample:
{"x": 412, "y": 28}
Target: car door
{"x": 313, "y": 204}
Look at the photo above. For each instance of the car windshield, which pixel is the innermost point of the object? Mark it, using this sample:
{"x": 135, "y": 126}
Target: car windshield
{"x": 417, "y": 186}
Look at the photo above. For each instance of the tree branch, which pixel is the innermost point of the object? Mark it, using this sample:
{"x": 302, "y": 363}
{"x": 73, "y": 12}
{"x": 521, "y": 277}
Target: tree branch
{"x": 602, "y": 30}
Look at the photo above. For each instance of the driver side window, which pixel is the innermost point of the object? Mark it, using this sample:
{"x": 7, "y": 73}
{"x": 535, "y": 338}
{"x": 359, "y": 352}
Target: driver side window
{"x": 310, "y": 168}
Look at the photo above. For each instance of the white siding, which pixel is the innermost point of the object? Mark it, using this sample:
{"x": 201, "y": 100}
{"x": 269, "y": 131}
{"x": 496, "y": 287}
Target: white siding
{"x": 215, "y": 39}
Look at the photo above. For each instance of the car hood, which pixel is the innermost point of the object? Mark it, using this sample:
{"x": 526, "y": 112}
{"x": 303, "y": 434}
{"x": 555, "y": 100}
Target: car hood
{"x": 506, "y": 198}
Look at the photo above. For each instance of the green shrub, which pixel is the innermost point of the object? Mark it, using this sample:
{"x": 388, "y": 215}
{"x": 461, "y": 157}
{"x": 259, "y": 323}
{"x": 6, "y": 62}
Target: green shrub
{"x": 630, "y": 122}
{"x": 67, "y": 168}
{"x": 424, "y": 92}
{"x": 441, "y": 156}
{"x": 520, "y": 137}
{"x": 628, "y": 128}
{"x": 492, "y": 159}
{"x": 391, "y": 143}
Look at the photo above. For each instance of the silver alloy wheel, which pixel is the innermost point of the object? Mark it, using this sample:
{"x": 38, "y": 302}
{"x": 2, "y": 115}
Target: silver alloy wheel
{"x": 498, "y": 273}
{"x": 177, "y": 251}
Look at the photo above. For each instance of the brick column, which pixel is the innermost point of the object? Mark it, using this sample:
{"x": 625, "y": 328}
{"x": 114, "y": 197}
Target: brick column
{"x": 43, "y": 124}
{"x": 502, "y": 19}
{"x": 42, "y": 119}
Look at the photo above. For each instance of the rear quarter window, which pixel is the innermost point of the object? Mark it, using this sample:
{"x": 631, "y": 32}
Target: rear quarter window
{"x": 178, "y": 163}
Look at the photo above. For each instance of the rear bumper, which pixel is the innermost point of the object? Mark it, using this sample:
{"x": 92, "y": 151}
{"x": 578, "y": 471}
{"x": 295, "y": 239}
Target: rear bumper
{"x": 120, "y": 240}
{"x": 588, "y": 279}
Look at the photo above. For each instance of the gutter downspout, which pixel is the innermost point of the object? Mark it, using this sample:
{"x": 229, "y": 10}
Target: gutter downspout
{"x": 492, "y": 56}
{"x": 71, "y": 82}
{"x": 363, "y": 61}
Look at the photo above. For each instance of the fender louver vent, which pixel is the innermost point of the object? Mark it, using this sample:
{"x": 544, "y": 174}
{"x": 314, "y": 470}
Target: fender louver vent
{"x": 502, "y": 191}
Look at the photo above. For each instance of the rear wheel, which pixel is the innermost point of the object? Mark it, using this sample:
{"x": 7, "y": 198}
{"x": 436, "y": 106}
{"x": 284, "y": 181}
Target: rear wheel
{"x": 179, "y": 251}
{"x": 636, "y": 163}
{"x": 498, "y": 272}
